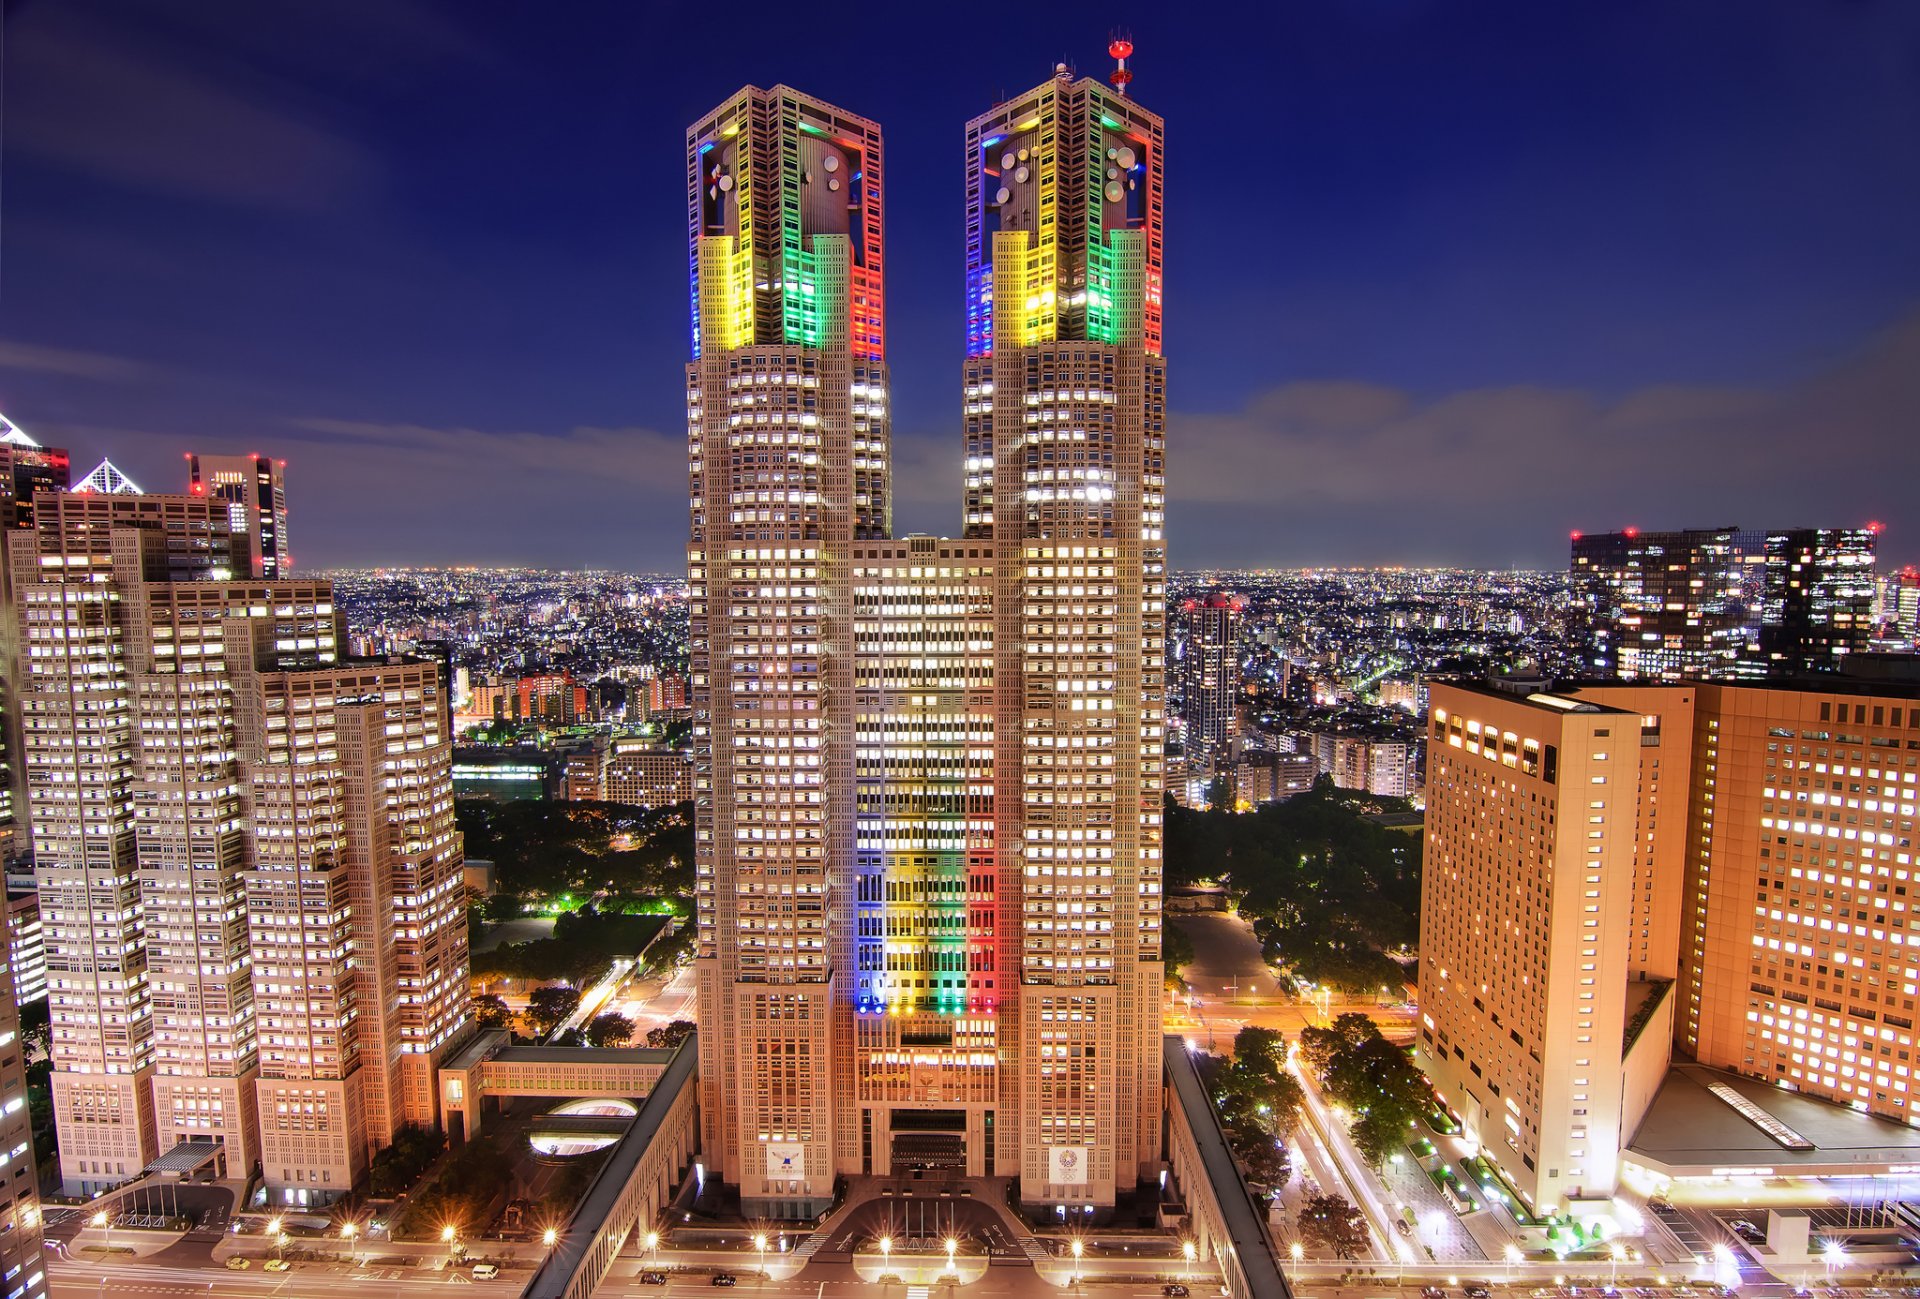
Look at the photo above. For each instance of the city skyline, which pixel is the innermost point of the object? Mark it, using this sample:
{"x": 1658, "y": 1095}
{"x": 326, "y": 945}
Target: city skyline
{"x": 1615, "y": 334}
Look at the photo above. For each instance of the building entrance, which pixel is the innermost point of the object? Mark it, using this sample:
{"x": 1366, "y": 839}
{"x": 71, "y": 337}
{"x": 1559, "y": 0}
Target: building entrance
{"x": 929, "y": 1141}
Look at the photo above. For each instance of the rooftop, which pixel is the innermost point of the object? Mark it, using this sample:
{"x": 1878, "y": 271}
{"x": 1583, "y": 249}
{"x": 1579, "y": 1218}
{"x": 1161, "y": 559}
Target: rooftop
{"x": 1690, "y": 1132}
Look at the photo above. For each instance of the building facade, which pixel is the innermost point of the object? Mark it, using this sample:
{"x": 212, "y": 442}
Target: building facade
{"x": 238, "y": 892}
{"x": 1617, "y": 873}
{"x": 928, "y": 772}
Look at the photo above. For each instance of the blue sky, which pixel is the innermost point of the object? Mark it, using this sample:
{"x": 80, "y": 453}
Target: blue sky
{"x": 1444, "y": 280}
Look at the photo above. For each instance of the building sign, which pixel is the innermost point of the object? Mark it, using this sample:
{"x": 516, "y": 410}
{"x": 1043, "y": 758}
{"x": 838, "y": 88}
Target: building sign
{"x": 1066, "y": 1165}
{"x": 786, "y": 1159}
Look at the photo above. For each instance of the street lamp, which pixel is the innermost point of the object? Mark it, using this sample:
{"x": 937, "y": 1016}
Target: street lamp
{"x": 548, "y": 1237}
{"x": 1834, "y": 1255}
{"x": 653, "y": 1243}
{"x": 105, "y": 1223}
{"x": 1187, "y": 1251}
{"x": 886, "y": 1255}
{"x": 760, "y": 1244}
{"x": 1513, "y": 1255}
{"x": 347, "y": 1232}
{"x": 1078, "y": 1249}
{"x": 1613, "y": 1264}
{"x": 952, "y": 1245}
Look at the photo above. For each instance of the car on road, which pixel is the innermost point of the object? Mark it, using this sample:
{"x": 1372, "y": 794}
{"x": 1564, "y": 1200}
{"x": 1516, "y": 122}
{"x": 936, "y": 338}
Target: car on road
{"x": 1476, "y": 1290}
{"x": 1747, "y": 1231}
{"x": 724, "y": 1279}
{"x": 277, "y": 1265}
{"x": 485, "y": 1271}
{"x": 1402, "y": 1226}
{"x": 238, "y": 1264}
{"x": 1174, "y": 1290}
{"x": 653, "y": 1278}
{"x": 1432, "y": 1292}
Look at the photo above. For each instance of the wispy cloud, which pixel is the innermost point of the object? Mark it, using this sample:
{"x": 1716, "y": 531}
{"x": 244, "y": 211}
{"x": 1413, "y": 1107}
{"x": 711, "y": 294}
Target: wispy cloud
{"x": 73, "y": 364}
{"x": 1305, "y": 469}
{"x": 632, "y": 457}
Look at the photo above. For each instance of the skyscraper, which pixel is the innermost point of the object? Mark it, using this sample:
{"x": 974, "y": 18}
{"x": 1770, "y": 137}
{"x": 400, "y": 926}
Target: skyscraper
{"x": 1210, "y": 680}
{"x": 1065, "y": 405}
{"x": 244, "y": 847}
{"x": 1617, "y": 874}
{"x": 258, "y": 484}
{"x": 787, "y": 421}
{"x": 928, "y": 771}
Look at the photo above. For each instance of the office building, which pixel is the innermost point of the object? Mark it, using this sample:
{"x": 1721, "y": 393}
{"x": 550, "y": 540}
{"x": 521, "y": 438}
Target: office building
{"x": 257, "y": 487}
{"x": 644, "y": 774}
{"x": 1659, "y": 606}
{"x": 927, "y": 771}
{"x": 244, "y": 848}
{"x": 1619, "y": 875}
{"x": 1723, "y": 604}
{"x": 1819, "y": 598}
{"x": 1209, "y": 674}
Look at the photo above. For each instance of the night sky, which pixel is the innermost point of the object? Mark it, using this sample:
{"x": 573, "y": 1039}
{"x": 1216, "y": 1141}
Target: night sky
{"x": 1445, "y": 278}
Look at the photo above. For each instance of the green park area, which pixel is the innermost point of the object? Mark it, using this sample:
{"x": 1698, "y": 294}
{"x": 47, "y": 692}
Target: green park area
{"x": 1332, "y": 895}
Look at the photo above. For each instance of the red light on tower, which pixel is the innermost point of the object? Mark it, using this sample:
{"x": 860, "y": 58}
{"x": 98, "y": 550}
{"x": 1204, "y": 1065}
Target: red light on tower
{"x": 1633, "y": 532}
{"x": 1575, "y": 534}
{"x": 1874, "y": 528}
{"x": 1121, "y": 49}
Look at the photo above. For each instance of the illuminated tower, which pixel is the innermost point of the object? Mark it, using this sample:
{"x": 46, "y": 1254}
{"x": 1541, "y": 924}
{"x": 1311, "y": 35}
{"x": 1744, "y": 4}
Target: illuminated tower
{"x": 1065, "y": 405}
{"x": 787, "y": 424}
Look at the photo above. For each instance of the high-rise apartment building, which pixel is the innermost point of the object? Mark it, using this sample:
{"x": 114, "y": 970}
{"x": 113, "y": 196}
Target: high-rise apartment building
{"x": 1209, "y": 672}
{"x": 257, "y": 487}
{"x": 1616, "y": 873}
{"x": 928, "y": 771}
{"x": 1724, "y": 603}
{"x": 249, "y": 875}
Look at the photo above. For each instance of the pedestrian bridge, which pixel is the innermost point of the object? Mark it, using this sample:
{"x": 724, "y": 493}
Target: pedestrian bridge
{"x": 489, "y": 1067}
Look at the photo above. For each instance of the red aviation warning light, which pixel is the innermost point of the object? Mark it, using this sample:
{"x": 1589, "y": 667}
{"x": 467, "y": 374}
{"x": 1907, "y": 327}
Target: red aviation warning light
{"x": 1121, "y": 49}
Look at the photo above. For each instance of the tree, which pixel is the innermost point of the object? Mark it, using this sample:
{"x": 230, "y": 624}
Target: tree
{"x": 670, "y": 1035}
{"x": 551, "y": 1004}
{"x": 1267, "y": 1163}
{"x": 490, "y": 1011}
{"x": 1331, "y": 1222}
{"x": 610, "y": 1029}
{"x": 1176, "y": 950}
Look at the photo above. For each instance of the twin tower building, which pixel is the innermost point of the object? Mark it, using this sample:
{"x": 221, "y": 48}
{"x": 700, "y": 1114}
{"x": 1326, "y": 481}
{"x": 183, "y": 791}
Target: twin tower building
{"x": 929, "y": 770}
